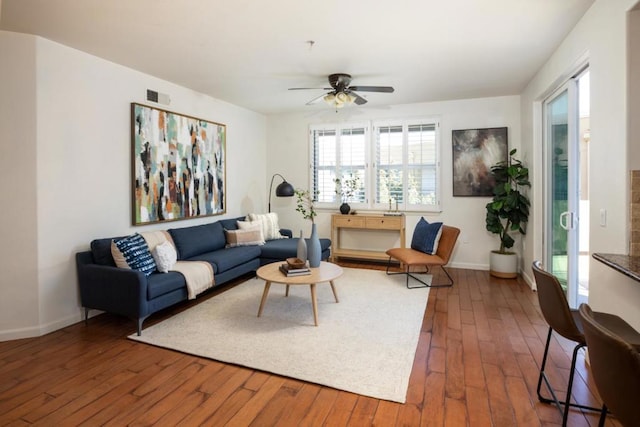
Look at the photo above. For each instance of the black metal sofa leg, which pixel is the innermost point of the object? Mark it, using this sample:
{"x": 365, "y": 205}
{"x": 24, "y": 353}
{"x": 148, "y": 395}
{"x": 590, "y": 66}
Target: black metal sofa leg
{"x": 139, "y": 323}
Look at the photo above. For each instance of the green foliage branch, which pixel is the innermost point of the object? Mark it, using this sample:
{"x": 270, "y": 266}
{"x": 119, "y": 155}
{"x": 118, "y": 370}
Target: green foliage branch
{"x": 304, "y": 205}
{"x": 347, "y": 187}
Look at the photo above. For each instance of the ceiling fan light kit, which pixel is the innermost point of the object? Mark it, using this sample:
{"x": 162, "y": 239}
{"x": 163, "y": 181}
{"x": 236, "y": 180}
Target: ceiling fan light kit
{"x": 342, "y": 94}
{"x": 339, "y": 100}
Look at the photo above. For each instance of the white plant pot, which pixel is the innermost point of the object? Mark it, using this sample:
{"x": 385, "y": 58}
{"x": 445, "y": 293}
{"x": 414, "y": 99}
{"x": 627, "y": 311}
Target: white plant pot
{"x": 504, "y": 266}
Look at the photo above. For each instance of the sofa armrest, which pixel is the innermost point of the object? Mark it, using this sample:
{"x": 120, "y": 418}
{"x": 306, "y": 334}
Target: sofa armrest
{"x": 116, "y": 290}
{"x": 286, "y": 232}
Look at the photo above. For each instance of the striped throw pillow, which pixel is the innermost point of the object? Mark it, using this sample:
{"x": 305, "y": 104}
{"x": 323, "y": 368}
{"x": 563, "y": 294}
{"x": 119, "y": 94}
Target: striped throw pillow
{"x": 135, "y": 253}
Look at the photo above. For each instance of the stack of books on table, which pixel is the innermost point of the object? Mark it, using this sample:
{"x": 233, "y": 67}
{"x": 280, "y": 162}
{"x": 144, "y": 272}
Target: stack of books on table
{"x": 289, "y": 271}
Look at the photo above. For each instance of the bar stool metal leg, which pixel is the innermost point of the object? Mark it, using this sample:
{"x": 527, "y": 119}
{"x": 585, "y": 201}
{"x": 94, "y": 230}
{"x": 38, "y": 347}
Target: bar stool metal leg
{"x": 563, "y": 406}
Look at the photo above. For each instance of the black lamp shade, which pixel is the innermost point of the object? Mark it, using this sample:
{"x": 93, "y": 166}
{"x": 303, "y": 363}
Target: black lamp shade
{"x": 284, "y": 190}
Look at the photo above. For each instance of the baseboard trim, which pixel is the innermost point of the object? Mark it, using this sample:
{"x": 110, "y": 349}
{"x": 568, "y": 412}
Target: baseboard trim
{"x": 529, "y": 280}
{"x": 39, "y": 330}
{"x": 468, "y": 266}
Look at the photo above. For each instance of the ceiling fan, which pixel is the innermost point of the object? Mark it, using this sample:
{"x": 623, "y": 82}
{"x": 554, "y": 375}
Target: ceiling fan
{"x": 341, "y": 93}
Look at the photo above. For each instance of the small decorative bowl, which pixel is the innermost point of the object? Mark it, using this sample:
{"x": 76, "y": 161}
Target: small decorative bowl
{"x": 296, "y": 263}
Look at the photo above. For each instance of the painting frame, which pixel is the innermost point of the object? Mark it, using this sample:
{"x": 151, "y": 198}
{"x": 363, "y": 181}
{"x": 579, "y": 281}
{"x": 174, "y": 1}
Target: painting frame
{"x": 474, "y": 152}
{"x": 178, "y": 166}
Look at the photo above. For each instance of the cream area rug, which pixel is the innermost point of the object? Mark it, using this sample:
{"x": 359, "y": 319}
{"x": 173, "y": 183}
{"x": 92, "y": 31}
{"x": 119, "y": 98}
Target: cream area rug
{"x": 364, "y": 344}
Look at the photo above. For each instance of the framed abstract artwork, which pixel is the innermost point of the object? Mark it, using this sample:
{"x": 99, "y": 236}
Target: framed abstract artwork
{"x": 475, "y": 151}
{"x": 178, "y": 166}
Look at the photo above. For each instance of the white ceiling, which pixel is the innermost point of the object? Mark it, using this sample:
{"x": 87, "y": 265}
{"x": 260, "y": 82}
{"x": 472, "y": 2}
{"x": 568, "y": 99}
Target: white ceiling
{"x": 250, "y": 52}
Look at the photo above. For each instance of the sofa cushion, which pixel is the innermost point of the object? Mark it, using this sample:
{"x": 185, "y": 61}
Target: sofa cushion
{"x": 133, "y": 252}
{"x": 199, "y": 239}
{"x": 160, "y": 284}
{"x": 101, "y": 252}
{"x": 231, "y": 224}
{"x": 225, "y": 259}
{"x": 286, "y": 248}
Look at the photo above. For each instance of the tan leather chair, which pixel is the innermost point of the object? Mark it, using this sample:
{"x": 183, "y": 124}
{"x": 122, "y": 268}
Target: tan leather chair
{"x": 410, "y": 258}
{"x": 615, "y": 365}
{"x": 566, "y": 322}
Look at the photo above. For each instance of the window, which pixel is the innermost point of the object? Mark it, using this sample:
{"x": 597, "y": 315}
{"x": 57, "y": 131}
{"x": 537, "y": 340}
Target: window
{"x": 404, "y": 172}
{"x": 338, "y": 152}
{"x": 324, "y": 161}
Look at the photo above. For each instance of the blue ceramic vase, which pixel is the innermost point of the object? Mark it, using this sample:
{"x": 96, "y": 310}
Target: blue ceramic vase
{"x": 314, "y": 252}
{"x": 302, "y": 248}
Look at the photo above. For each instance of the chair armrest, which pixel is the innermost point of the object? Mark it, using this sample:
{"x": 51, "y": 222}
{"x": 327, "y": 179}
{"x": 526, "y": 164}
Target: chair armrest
{"x": 286, "y": 232}
{"x": 116, "y": 290}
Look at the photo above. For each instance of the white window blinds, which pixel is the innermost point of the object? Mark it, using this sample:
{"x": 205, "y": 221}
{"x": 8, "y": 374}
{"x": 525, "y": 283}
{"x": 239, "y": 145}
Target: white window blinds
{"x": 352, "y": 164}
{"x": 404, "y": 172}
{"x": 323, "y": 163}
{"x": 407, "y": 165}
{"x": 421, "y": 165}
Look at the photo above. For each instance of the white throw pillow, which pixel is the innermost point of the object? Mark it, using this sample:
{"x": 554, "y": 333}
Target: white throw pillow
{"x": 269, "y": 224}
{"x": 165, "y": 256}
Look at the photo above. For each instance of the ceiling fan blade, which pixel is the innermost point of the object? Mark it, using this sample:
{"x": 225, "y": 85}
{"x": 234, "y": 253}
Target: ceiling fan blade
{"x": 310, "y": 88}
{"x": 359, "y": 100}
{"x": 316, "y": 99}
{"x": 385, "y": 89}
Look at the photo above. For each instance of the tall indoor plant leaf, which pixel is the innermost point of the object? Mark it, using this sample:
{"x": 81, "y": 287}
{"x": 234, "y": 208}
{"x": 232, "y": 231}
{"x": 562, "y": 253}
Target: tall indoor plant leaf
{"x": 508, "y": 211}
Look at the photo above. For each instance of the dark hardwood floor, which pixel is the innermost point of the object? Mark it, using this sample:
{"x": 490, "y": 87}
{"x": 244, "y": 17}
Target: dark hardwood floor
{"x": 476, "y": 364}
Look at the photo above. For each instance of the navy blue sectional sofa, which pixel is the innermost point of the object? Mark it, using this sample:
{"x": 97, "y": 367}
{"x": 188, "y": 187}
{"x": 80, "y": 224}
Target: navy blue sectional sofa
{"x": 103, "y": 286}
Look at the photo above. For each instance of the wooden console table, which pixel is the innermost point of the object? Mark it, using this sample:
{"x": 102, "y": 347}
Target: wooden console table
{"x": 394, "y": 224}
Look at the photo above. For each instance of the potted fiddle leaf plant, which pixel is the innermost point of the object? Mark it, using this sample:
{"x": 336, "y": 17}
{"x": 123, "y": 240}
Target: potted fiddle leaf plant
{"x": 508, "y": 212}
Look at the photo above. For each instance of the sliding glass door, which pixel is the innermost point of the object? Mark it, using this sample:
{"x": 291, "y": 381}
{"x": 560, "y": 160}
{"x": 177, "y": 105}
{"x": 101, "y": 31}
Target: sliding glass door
{"x": 566, "y": 186}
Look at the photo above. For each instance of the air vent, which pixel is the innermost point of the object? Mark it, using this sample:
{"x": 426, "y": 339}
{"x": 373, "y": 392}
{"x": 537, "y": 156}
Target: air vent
{"x": 160, "y": 98}
{"x": 152, "y": 95}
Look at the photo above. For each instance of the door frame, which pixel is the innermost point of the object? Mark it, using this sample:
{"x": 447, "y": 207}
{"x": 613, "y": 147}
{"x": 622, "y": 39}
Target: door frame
{"x": 570, "y": 85}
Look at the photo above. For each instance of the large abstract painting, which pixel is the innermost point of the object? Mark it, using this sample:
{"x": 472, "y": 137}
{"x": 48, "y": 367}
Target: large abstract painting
{"x": 179, "y": 167}
{"x": 475, "y": 151}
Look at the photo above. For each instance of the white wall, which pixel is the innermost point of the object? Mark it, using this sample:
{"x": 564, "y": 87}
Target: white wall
{"x": 601, "y": 36}
{"x": 288, "y": 154}
{"x": 18, "y": 206}
{"x": 78, "y": 146}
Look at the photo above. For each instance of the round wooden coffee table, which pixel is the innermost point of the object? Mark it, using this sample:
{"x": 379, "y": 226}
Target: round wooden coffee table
{"x": 271, "y": 273}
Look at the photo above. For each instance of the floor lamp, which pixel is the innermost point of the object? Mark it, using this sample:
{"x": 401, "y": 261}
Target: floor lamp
{"x": 284, "y": 189}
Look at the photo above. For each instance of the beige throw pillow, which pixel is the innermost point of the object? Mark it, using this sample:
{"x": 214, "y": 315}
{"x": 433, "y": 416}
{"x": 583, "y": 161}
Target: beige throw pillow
{"x": 118, "y": 257}
{"x": 249, "y": 237}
